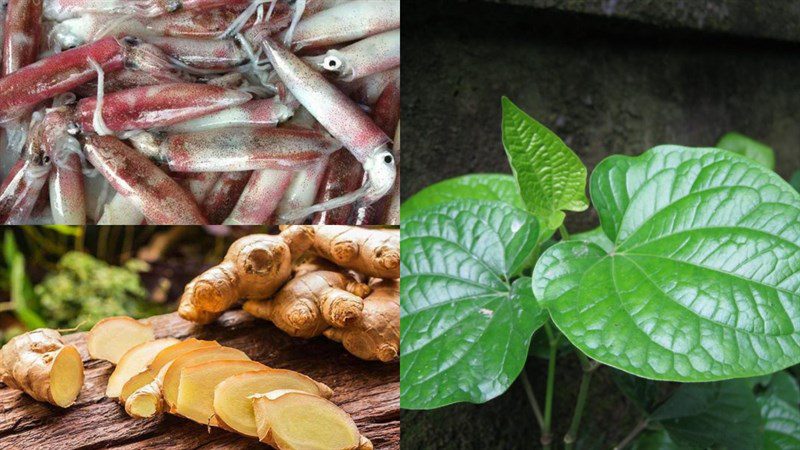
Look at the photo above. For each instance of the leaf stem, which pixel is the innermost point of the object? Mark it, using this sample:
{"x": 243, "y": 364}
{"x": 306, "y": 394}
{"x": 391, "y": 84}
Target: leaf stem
{"x": 588, "y": 369}
{"x": 537, "y": 411}
{"x": 632, "y": 435}
{"x": 547, "y": 437}
{"x": 564, "y": 233}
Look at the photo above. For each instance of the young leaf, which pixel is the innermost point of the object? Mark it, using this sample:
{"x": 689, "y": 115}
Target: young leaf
{"x": 719, "y": 415}
{"x": 703, "y": 281}
{"x": 750, "y": 148}
{"x": 781, "y": 423}
{"x": 551, "y": 177}
{"x": 466, "y": 327}
{"x": 478, "y": 186}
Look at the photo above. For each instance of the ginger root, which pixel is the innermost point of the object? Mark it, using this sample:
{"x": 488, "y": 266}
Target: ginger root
{"x": 372, "y": 252}
{"x": 172, "y": 376}
{"x": 135, "y": 361}
{"x": 288, "y": 419}
{"x": 233, "y": 407}
{"x": 254, "y": 268}
{"x": 111, "y": 337}
{"x": 376, "y": 336}
{"x": 309, "y": 304}
{"x": 39, "y": 364}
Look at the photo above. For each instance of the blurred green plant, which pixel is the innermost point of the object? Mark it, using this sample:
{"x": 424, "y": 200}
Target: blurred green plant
{"x": 83, "y": 290}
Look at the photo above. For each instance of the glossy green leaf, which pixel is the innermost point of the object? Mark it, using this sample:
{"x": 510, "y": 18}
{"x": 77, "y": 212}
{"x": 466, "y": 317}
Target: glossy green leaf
{"x": 748, "y": 147}
{"x": 478, "y": 186}
{"x": 781, "y": 423}
{"x": 597, "y": 237}
{"x": 656, "y": 440}
{"x": 795, "y": 180}
{"x": 722, "y": 414}
{"x": 784, "y": 386}
{"x": 466, "y": 328}
{"x": 551, "y": 177}
{"x": 703, "y": 282}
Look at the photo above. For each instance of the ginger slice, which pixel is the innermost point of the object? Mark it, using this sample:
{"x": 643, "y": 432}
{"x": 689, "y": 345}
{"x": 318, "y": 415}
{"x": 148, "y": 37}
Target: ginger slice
{"x": 233, "y": 407}
{"x": 197, "y": 384}
{"x": 110, "y": 338}
{"x": 288, "y": 419}
{"x": 39, "y": 364}
{"x": 147, "y": 401}
{"x": 135, "y": 361}
{"x": 163, "y": 358}
{"x": 172, "y": 376}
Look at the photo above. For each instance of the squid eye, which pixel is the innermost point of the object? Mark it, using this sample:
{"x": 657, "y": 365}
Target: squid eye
{"x": 388, "y": 159}
{"x": 46, "y": 160}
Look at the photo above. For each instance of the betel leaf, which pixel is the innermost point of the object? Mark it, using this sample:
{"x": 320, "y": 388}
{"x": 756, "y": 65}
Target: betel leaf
{"x": 466, "y": 327}
{"x": 596, "y": 236}
{"x": 478, "y": 186}
{"x": 795, "y": 181}
{"x": 784, "y": 386}
{"x": 703, "y": 282}
{"x": 720, "y": 415}
{"x": 781, "y": 423}
{"x": 656, "y": 440}
{"x": 749, "y": 148}
{"x": 551, "y": 177}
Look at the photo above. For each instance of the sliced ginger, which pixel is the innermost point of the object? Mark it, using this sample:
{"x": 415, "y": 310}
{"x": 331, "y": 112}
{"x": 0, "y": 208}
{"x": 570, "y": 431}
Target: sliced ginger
{"x": 112, "y": 337}
{"x": 172, "y": 376}
{"x": 294, "y": 420}
{"x": 254, "y": 268}
{"x": 39, "y": 364}
{"x": 197, "y": 384}
{"x": 233, "y": 407}
{"x": 135, "y": 361}
{"x": 163, "y": 358}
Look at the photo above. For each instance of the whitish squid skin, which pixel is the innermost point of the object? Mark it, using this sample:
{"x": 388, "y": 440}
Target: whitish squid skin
{"x": 158, "y": 105}
{"x": 67, "y": 193}
{"x": 346, "y": 22}
{"x": 368, "y": 56}
{"x": 245, "y": 148}
{"x": 260, "y": 198}
{"x": 255, "y": 113}
{"x": 303, "y": 189}
{"x": 340, "y": 116}
{"x": 60, "y": 10}
{"x": 160, "y": 198}
{"x": 24, "y": 183}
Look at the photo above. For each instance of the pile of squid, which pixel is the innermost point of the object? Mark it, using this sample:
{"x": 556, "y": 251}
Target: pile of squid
{"x": 200, "y": 112}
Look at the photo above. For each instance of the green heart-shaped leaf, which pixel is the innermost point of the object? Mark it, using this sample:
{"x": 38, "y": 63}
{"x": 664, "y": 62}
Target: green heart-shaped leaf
{"x": 781, "y": 423}
{"x": 703, "y": 282}
{"x": 551, "y": 177}
{"x": 466, "y": 327}
{"x": 748, "y": 147}
{"x": 478, "y": 186}
{"x": 720, "y": 415}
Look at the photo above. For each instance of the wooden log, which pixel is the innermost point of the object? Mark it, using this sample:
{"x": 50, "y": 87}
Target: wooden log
{"x": 369, "y": 391}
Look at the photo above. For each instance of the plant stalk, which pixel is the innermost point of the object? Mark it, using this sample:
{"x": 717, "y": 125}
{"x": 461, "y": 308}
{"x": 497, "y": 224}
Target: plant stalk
{"x": 564, "y": 233}
{"x": 537, "y": 411}
{"x": 547, "y": 437}
{"x": 632, "y": 435}
{"x": 588, "y": 369}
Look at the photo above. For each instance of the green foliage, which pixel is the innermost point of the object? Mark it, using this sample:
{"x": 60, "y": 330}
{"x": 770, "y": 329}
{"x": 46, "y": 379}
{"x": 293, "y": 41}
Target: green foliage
{"x": 23, "y": 302}
{"x": 551, "y": 177}
{"x": 795, "y": 180}
{"x": 477, "y": 186}
{"x": 748, "y": 147}
{"x": 84, "y": 290}
{"x": 703, "y": 277}
{"x": 466, "y": 325}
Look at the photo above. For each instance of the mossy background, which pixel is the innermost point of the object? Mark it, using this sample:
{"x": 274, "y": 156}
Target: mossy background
{"x": 608, "y": 77}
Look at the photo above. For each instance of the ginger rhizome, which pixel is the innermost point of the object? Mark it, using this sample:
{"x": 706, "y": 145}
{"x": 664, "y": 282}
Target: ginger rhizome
{"x": 134, "y": 362}
{"x": 41, "y": 365}
{"x": 111, "y": 337}
{"x": 255, "y": 266}
{"x": 376, "y": 335}
{"x": 233, "y": 407}
{"x": 309, "y": 304}
{"x": 288, "y": 419}
{"x": 374, "y": 253}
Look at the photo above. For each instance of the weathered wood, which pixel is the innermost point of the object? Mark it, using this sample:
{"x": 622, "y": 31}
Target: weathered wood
{"x": 369, "y": 391}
